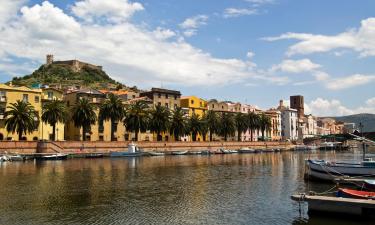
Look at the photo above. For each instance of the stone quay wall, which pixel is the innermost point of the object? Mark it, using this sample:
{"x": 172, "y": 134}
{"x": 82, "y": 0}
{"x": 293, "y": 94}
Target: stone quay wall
{"x": 49, "y": 147}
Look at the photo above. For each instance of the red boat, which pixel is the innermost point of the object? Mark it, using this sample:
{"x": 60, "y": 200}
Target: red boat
{"x": 350, "y": 193}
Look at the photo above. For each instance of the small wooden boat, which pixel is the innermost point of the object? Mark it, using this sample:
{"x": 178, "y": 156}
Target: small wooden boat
{"x": 16, "y": 158}
{"x": 195, "y": 153}
{"x": 336, "y": 205}
{"x": 179, "y": 152}
{"x": 268, "y": 150}
{"x": 350, "y": 193}
{"x": 94, "y": 156}
{"x": 156, "y": 153}
{"x": 246, "y": 150}
{"x": 59, "y": 156}
{"x": 125, "y": 154}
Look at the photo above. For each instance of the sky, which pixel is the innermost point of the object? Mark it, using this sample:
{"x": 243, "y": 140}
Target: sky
{"x": 251, "y": 51}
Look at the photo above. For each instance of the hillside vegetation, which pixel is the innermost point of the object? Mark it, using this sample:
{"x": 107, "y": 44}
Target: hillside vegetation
{"x": 63, "y": 74}
{"x": 368, "y": 120}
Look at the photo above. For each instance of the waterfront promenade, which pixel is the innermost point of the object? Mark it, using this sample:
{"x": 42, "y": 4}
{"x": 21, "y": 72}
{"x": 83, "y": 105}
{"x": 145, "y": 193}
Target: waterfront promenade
{"x": 76, "y": 147}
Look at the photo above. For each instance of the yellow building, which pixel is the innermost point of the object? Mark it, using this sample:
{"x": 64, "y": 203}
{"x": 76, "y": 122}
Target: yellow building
{"x": 49, "y": 94}
{"x": 197, "y": 106}
{"x": 10, "y": 94}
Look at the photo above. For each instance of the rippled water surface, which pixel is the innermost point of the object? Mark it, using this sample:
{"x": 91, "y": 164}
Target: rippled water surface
{"x": 218, "y": 189}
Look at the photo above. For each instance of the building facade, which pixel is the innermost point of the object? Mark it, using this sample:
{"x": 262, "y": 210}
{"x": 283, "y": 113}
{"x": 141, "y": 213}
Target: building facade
{"x": 289, "y": 129}
{"x": 10, "y": 94}
{"x": 194, "y": 105}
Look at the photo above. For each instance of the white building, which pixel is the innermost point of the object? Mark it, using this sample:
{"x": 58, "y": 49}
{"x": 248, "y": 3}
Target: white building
{"x": 289, "y": 129}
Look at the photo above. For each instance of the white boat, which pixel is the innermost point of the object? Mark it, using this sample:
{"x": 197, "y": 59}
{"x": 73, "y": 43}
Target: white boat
{"x": 16, "y": 158}
{"x": 246, "y": 150}
{"x": 323, "y": 170}
{"x": 179, "y": 152}
{"x": 195, "y": 152}
{"x": 156, "y": 153}
{"x": 4, "y": 158}
{"x": 59, "y": 156}
{"x": 133, "y": 151}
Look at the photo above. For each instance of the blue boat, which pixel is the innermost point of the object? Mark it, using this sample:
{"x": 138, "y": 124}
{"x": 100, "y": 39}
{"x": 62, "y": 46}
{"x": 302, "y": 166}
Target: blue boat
{"x": 133, "y": 151}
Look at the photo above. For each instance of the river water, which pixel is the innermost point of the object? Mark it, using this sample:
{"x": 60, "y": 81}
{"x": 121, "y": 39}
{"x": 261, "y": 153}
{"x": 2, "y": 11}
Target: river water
{"x": 217, "y": 189}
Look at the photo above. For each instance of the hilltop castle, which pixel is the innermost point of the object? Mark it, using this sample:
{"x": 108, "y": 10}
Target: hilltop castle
{"x": 75, "y": 65}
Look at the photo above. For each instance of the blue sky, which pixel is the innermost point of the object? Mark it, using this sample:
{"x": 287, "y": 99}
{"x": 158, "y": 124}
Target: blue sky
{"x": 252, "y": 51}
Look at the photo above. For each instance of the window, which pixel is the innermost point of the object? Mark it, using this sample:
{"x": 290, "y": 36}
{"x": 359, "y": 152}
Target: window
{"x": 166, "y": 96}
{"x": 50, "y": 95}
{"x": 175, "y": 97}
{"x": 192, "y": 101}
{"x": 36, "y": 99}
{"x": 166, "y": 105}
{"x": 133, "y": 96}
{"x": 213, "y": 106}
{"x": 159, "y": 95}
{"x": 3, "y": 96}
{"x": 25, "y": 98}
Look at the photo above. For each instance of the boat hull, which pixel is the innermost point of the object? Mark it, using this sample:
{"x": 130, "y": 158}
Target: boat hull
{"x": 330, "y": 171}
{"x": 349, "y": 193}
{"x": 125, "y": 154}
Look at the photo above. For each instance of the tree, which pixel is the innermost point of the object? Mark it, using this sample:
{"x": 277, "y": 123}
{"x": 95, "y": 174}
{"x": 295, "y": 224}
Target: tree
{"x": 20, "y": 118}
{"x": 194, "y": 126}
{"x": 213, "y": 122}
{"x": 227, "y": 125}
{"x": 159, "y": 120}
{"x": 253, "y": 123}
{"x": 83, "y": 115}
{"x": 112, "y": 109}
{"x": 204, "y": 128}
{"x": 54, "y": 112}
{"x": 264, "y": 124}
{"x": 241, "y": 124}
{"x": 178, "y": 124}
{"x": 136, "y": 118}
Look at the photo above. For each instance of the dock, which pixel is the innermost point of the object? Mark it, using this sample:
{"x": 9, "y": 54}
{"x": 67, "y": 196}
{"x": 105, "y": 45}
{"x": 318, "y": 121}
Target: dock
{"x": 337, "y": 205}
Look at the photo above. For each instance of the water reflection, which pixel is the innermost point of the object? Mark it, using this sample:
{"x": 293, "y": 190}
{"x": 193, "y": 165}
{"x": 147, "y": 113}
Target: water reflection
{"x": 219, "y": 189}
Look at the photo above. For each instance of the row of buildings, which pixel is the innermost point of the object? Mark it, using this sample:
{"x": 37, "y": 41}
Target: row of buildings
{"x": 288, "y": 123}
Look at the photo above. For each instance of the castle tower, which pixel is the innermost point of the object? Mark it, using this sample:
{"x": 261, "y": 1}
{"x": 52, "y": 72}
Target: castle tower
{"x": 297, "y": 102}
{"x": 49, "y": 60}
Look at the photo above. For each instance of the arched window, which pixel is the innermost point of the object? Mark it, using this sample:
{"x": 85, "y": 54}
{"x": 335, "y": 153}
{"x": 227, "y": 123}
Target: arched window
{"x": 35, "y": 138}
{"x": 1, "y": 137}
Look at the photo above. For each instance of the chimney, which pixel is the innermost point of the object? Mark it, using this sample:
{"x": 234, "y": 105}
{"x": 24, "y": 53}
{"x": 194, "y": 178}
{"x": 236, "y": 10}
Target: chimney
{"x": 281, "y": 103}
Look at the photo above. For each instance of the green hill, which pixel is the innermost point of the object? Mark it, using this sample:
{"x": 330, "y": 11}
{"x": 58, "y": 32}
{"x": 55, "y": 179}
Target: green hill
{"x": 368, "y": 120}
{"x": 64, "y": 75}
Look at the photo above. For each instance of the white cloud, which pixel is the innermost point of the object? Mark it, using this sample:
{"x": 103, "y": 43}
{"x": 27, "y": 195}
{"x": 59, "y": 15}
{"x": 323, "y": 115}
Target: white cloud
{"x": 333, "y": 107}
{"x": 9, "y": 9}
{"x": 194, "y": 22}
{"x": 361, "y": 40}
{"x": 250, "y": 54}
{"x": 236, "y": 12}
{"x": 321, "y": 76}
{"x": 191, "y": 25}
{"x": 295, "y": 66}
{"x": 349, "y": 81}
{"x": 109, "y": 10}
{"x": 131, "y": 54}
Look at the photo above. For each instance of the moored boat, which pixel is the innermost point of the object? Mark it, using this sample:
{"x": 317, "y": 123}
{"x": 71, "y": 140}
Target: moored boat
{"x": 59, "y": 156}
{"x": 195, "y": 152}
{"x": 321, "y": 169}
{"x": 369, "y": 184}
{"x": 156, "y": 153}
{"x": 179, "y": 152}
{"x": 350, "y": 193}
{"x": 94, "y": 155}
{"x": 246, "y": 150}
{"x": 133, "y": 151}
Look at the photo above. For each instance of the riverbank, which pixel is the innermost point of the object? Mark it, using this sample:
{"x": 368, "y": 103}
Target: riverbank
{"x": 76, "y": 147}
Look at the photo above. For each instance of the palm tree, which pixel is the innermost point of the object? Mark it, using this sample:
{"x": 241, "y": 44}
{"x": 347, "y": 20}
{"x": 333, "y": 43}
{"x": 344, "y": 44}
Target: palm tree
{"x": 83, "y": 115}
{"x": 20, "y": 118}
{"x": 53, "y": 112}
{"x": 227, "y": 125}
{"x": 136, "y": 118}
{"x": 194, "y": 126}
{"x": 178, "y": 124}
{"x": 112, "y": 109}
{"x": 204, "y": 127}
{"x": 264, "y": 124}
{"x": 213, "y": 122}
{"x": 160, "y": 120}
{"x": 253, "y": 123}
{"x": 241, "y": 124}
